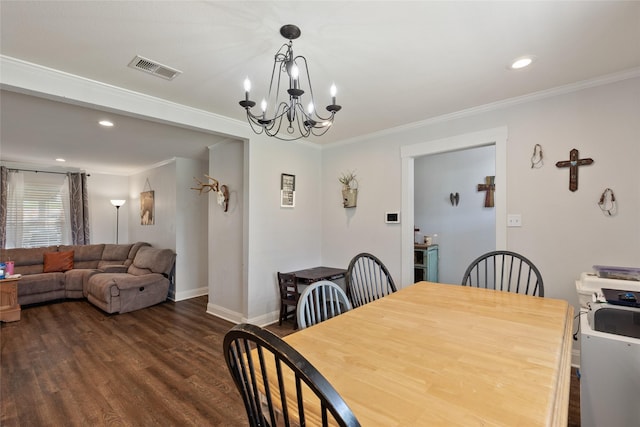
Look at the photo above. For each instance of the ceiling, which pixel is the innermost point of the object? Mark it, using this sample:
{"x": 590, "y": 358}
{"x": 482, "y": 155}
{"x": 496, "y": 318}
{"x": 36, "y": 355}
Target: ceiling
{"x": 394, "y": 63}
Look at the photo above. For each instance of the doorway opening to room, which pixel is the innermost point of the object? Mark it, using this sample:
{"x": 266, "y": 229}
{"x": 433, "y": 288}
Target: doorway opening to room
{"x": 496, "y": 140}
{"x": 451, "y": 220}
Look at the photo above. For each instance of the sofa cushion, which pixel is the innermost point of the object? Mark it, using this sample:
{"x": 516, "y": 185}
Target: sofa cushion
{"x": 85, "y": 256}
{"x": 41, "y": 283}
{"x": 75, "y": 281}
{"x": 152, "y": 260}
{"x": 134, "y": 250}
{"x": 115, "y": 252}
{"x": 58, "y": 261}
{"x": 27, "y": 260}
{"x": 114, "y": 255}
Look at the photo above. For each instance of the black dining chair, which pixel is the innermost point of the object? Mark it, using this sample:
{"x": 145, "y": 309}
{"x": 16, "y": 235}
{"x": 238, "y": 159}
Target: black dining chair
{"x": 367, "y": 280}
{"x": 278, "y": 385}
{"x": 321, "y": 301}
{"x": 289, "y": 296}
{"x": 504, "y": 271}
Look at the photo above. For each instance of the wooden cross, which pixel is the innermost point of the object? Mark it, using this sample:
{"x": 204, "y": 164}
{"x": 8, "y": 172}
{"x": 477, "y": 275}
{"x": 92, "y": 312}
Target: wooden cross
{"x": 489, "y": 186}
{"x": 573, "y": 163}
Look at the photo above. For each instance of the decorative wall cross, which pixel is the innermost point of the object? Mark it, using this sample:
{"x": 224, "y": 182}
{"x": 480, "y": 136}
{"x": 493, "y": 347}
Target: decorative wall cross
{"x": 573, "y": 163}
{"x": 489, "y": 186}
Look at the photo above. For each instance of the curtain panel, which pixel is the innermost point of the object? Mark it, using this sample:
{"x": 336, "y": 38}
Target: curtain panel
{"x": 79, "y": 206}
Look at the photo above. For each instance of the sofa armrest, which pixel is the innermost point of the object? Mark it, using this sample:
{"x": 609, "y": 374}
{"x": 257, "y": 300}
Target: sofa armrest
{"x": 114, "y": 268}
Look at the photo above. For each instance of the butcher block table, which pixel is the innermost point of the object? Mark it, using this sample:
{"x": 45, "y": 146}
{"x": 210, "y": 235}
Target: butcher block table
{"x": 448, "y": 355}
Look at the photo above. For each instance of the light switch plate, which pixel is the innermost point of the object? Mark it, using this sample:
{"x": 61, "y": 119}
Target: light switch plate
{"x": 514, "y": 220}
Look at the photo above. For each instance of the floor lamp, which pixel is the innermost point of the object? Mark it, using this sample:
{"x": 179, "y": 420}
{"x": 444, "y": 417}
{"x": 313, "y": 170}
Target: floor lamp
{"x": 117, "y": 204}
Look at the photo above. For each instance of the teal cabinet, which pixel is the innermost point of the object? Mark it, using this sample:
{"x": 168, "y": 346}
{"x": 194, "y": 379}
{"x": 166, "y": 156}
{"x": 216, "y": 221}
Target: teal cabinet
{"x": 425, "y": 260}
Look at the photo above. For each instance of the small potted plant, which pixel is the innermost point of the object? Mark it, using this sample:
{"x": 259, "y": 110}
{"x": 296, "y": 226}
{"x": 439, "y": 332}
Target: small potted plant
{"x": 349, "y": 189}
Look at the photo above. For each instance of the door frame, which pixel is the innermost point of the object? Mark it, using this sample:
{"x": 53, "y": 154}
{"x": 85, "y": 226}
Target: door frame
{"x": 408, "y": 153}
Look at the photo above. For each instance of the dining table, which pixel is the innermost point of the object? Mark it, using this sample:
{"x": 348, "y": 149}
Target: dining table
{"x": 435, "y": 354}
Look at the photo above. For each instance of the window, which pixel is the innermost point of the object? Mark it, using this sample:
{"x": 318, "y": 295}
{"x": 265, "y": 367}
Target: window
{"x": 37, "y": 210}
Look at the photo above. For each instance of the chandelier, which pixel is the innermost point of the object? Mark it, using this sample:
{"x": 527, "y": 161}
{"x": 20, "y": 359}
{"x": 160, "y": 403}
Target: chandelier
{"x": 287, "y": 108}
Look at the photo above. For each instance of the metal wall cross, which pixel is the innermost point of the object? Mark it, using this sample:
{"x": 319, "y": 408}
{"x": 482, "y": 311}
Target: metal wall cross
{"x": 573, "y": 163}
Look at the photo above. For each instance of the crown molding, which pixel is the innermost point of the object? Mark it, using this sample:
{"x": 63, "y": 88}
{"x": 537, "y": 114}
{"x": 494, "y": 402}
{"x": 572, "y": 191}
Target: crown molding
{"x": 32, "y": 79}
{"x": 498, "y": 105}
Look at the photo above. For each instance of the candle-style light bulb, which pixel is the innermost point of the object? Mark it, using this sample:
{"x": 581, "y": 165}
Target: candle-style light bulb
{"x": 247, "y": 88}
{"x": 310, "y": 108}
{"x": 295, "y": 73}
{"x": 263, "y": 105}
{"x": 333, "y": 92}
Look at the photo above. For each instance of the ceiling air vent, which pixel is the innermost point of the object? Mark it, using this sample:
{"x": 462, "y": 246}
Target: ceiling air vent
{"x": 152, "y": 67}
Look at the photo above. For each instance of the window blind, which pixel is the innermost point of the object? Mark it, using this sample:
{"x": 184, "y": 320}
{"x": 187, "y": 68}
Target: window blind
{"x": 36, "y": 213}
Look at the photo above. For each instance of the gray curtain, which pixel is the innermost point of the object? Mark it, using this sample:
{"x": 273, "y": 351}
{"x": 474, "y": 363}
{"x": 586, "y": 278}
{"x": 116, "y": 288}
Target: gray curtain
{"x": 4, "y": 175}
{"x": 79, "y": 212}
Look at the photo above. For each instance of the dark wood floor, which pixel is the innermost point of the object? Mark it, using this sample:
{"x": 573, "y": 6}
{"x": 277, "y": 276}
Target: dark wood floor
{"x": 70, "y": 364}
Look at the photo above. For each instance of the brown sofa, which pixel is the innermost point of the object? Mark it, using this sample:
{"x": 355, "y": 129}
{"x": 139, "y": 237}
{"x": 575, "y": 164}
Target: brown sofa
{"x": 116, "y": 278}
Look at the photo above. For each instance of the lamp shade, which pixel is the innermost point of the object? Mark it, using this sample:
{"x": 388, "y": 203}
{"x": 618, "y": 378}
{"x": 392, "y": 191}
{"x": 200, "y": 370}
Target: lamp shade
{"x": 118, "y": 203}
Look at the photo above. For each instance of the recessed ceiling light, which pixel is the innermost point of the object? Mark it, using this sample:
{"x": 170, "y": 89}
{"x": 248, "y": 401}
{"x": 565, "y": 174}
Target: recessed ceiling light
{"x": 106, "y": 123}
{"x": 522, "y": 62}
{"x": 59, "y": 159}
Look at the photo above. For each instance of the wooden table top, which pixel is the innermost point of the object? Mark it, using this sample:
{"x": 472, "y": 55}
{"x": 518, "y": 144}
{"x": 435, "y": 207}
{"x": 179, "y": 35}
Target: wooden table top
{"x": 434, "y": 354}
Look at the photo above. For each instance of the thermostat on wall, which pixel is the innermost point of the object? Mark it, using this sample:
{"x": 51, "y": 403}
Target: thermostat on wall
{"x": 392, "y": 217}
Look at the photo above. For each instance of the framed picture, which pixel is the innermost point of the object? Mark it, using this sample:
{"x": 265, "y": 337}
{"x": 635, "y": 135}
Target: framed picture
{"x": 147, "y": 211}
{"x": 287, "y": 190}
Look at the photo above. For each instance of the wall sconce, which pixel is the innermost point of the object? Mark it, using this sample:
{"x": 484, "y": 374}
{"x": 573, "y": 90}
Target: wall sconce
{"x": 117, "y": 203}
{"x": 221, "y": 190}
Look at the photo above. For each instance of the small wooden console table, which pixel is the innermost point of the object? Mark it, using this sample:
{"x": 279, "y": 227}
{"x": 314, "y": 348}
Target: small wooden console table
{"x": 9, "y": 307}
{"x": 315, "y": 274}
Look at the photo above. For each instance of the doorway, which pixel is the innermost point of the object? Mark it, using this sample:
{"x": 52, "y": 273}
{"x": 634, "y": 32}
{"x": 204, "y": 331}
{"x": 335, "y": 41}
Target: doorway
{"x": 409, "y": 153}
{"x": 450, "y": 210}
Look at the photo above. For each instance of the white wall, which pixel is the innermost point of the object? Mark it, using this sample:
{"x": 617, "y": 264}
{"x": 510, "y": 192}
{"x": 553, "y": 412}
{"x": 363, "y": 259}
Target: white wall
{"x": 180, "y": 221}
{"x": 349, "y": 231}
{"x": 272, "y": 238}
{"x": 161, "y": 180}
{"x": 191, "y": 231}
{"x": 280, "y": 239}
{"x": 564, "y": 233}
{"x": 467, "y": 229}
{"x": 102, "y": 214}
{"x": 226, "y": 232}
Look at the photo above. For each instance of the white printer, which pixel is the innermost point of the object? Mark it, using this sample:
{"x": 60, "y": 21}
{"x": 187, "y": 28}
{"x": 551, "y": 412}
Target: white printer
{"x": 610, "y": 352}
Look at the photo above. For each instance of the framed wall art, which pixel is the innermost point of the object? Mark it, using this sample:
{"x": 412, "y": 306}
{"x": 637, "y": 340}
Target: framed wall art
{"x": 287, "y": 190}
{"x": 147, "y": 211}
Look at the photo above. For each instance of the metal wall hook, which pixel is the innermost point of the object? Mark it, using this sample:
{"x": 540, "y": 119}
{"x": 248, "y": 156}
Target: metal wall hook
{"x": 454, "y": 198}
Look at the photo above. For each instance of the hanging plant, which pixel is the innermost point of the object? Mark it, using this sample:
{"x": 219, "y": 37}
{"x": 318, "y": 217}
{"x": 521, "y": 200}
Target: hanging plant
{"x": 348, "y": 180}
{"x": 349, "y": 189}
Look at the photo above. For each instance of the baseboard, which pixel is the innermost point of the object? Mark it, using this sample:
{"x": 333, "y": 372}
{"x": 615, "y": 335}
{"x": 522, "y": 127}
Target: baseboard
{"x": 235, "y": 317}
{"x": 224, "y": 313}
{"x": 188, "y": 294}
{"x": 265, "y": 319}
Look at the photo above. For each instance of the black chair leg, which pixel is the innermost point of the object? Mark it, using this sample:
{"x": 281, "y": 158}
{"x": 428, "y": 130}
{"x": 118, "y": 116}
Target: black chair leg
{"x": 282, "y": 314}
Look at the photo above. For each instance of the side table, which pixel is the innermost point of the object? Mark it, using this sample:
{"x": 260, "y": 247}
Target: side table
{"x": 9, "y": 307}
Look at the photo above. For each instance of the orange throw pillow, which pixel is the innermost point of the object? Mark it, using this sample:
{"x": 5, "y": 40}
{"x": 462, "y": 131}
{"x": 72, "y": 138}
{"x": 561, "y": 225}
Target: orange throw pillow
{"x": 58, "y": 261}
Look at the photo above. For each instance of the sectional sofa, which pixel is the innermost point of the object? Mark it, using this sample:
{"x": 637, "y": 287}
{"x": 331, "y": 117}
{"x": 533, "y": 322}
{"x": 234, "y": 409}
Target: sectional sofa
{"x": 115, "y": 278}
